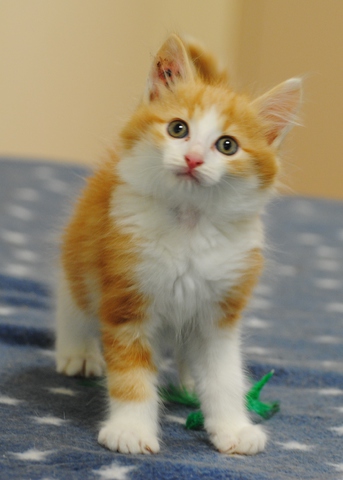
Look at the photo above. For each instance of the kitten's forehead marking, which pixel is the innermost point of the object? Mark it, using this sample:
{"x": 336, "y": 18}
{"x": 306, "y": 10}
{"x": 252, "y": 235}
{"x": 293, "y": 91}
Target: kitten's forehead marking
{"x": 206, "y": 124}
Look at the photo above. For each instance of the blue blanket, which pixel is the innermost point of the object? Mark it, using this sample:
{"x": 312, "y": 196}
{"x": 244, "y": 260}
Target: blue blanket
{"x": 49, "y": 423}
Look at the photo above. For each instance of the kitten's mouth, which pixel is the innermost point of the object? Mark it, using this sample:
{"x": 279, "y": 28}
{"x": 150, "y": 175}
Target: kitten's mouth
{"x": 188, "y": 175}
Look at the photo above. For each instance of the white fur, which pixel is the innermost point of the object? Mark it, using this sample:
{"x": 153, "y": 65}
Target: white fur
{"x": 215, "y": 360}
{"x": 194, "y": 235}
{"x": 132, "y": 427}
{"x": 188, "y": 264}
{"x": 193, "y": 238}
{"x": 153, "y": 172}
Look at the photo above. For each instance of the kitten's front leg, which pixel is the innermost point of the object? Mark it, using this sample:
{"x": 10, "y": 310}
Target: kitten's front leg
{"x": 132, "y": 426}
{"x": 221, "y": 386}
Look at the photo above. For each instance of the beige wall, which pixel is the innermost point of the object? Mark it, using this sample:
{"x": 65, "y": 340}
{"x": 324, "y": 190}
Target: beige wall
{"x": 283, "y": 38}
{"x": 72, "y": 70}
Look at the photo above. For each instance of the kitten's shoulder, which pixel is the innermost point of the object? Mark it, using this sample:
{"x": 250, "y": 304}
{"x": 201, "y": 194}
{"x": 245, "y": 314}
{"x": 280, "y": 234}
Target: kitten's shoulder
{"x": 102, "y": 182}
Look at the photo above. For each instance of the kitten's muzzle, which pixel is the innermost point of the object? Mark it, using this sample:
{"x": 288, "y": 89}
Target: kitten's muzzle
{"x": 193, "y": 160}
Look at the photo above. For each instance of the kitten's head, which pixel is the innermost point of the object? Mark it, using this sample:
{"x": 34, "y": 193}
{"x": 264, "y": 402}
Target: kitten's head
{"x": 194, "y": 140}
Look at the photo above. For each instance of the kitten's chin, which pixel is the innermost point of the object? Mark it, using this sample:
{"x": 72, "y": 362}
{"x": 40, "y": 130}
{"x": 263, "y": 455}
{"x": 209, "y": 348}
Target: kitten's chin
{"x": 188, "y": 177}
{"x": 195, "y": 178}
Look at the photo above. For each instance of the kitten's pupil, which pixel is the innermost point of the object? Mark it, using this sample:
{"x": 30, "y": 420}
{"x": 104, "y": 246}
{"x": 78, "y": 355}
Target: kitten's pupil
{"x": 178, "y": 129}
{"x": 227, "y": 145}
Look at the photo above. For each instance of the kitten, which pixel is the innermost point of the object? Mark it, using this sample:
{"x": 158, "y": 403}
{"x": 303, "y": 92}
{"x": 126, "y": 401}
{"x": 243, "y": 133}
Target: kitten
{"x": 167, "y": 233}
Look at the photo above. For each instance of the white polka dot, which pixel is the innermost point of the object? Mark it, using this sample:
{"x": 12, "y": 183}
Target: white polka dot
{"x": 338, "y": 430}
{"x": 19, "y": 212}
{"x": 259, "y": 351}
{"x": 330, "y": 391}
{"x": 114, "y": 472}
{"x": 25, "y": 255}
{"x": 26, "y": 194}
{"x": 4, "y": 310}
{"x": 47, "y": 353}
{"x": 257, "y": 323}
{"x": 328, "y": 339}
{"x": 32, "y": 455}
{"x": 328, "y": 283}
{"x": 57, "y": 422}
{"x": 9, "y": 400}
{"x": 17, "y": 270}
{"x": 175, "y": 419}
{"x": 56, "y": 186}
{"x": 262, "y": 289}
{"x": 305, "y": 208}
{"x": 331, "y": 364}
{"x": 286, "y": 270}
{"x": 296, "y": 446}
{"x": 62, "y": 391}
{"x": 330, "y": 252}
{"x": 15, "y": 238}
{"x": 309, "y": 239}
{"x": 334, "y": 307}
{"x": 260, "y": 303}
{"x": 44, "y": 172}
{"x": 328, "y": 265}
{"x": 337, "y": 466}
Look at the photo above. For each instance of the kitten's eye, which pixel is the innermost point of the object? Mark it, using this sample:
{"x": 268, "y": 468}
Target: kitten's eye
{"x": 178, "y": 129}
{"x": 227, "y": 145}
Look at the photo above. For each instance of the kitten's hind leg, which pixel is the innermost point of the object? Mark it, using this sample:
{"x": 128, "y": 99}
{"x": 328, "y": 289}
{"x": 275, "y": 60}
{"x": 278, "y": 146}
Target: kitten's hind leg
{"x": 77, "y": 337}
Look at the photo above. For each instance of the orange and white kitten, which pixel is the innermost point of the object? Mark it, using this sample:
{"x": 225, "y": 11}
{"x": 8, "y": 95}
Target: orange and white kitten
{"x": 168, "y": 233}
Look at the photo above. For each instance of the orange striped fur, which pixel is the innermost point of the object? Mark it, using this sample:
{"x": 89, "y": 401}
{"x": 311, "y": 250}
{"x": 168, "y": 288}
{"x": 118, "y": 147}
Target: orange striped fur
{"x": 167, "y": 233}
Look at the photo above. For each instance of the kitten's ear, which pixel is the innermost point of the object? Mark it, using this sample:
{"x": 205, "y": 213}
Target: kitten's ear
{"x": 170, "y": 65}
{"x": 278, "y": 108}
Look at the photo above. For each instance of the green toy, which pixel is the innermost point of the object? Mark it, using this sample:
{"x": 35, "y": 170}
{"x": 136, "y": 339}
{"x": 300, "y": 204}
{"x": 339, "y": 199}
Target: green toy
{"x": 195, "y": 420}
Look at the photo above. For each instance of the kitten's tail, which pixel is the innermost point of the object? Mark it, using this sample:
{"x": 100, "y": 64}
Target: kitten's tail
{"x": 206, "y": 65}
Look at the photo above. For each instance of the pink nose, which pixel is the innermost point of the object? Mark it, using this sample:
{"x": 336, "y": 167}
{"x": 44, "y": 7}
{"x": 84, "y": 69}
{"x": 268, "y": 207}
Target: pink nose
{"x": 194, "y": 160}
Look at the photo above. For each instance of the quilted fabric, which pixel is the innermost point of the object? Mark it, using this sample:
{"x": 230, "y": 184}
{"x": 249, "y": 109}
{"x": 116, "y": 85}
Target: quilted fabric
{"x": 49, "y": 423}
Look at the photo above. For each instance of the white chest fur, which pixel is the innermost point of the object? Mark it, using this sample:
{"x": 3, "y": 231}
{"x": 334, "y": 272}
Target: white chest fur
{"x": 188, "y": 263}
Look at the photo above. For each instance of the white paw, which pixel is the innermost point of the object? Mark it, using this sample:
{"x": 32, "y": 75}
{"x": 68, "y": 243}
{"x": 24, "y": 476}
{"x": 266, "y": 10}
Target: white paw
{"x": 130, "y": 439}
{"x": 249, "y": 440}
{"x": 86, "y": 365}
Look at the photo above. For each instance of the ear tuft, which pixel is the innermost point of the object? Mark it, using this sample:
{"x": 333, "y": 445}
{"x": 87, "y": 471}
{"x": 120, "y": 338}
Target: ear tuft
{"x": 278, "y": 108}
{"x": 171, "y": 65}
